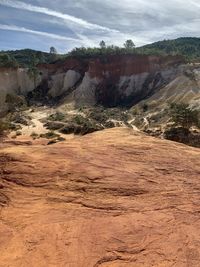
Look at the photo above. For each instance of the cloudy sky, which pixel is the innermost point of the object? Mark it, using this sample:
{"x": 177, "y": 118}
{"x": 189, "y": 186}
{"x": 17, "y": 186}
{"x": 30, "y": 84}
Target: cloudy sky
{"x": 39, "y": 24}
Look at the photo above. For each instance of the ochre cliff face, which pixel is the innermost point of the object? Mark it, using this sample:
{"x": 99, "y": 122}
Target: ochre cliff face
{"x": 14, "y": 81}
{"x": 127, "y": 65}
{"x": 106, "y": 80}
{"x": 124, "y": 80}
{"x": 60, "y": 67}
{"x": 113, "y": 80}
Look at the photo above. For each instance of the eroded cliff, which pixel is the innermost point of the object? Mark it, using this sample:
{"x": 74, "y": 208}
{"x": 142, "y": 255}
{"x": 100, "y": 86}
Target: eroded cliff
{"x": 109, "y": 81}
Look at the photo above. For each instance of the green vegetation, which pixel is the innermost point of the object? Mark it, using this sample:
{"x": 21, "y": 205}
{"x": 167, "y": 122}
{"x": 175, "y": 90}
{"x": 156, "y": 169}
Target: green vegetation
{"x": 102, "y": 44}
{"x": 23, "y": 57}
{"x": 4, "y": 127}
{"x": 8, "y": 61}
{"x": 53, "y": 50}
{"x": 187, "y": 47}
{"x": 129, "y": 45}
{"x": 33, "y": 71}
{"x": 34, "y": 135}
{"x": 85, "y": 52}
{"x": 54, "y": 54}
{"x": 89, "y": 120}
{"x": 18, "y": 133}
{"x": 58, "y": 116}
{"x": 15, "y": 102}
{"x": 182, "y": 115}
{"x": 49, "y": 135}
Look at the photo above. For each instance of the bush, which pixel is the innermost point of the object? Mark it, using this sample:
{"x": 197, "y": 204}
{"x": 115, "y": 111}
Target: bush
{"x": 21, "y": 119}
{"x": 34, "y": 135}
{"x": 18, "y": 133}
{"x": 14, "y": 127}
{"x": 58, "y": 116}
{"x": 15, "y": 102}
{"x": 145, "y": 107}
{"x": 49, "y": 135}
{"x": 182, "y": 135}
{"x": 4, "y": 127}
{"x": 54, "y": 125}
{"x": 182, "y": 115}
{"x": 8, "y": 61}
{"x": 177, "y": 134}
{"x": 85, "y": 128}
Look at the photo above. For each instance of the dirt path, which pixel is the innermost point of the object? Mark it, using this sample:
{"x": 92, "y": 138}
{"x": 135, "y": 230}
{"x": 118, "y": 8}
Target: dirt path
{"x": 36, "y": 125}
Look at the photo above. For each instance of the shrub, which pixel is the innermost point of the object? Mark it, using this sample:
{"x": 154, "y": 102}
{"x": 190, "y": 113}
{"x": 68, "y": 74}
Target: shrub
{"x": 18, "y": 133}
{"x": 54, "y": 125}
{"x": 182, "y": 115}
{"x": 4, "y": 127}
{"x": 14, "y": 127}
{"x": 15, "y": 102}
{"x": 85, "y": 128}
{"x": 58, "y": 116}
{"x": 34, "y": 135}
{"x": 145, "y": 107}
{"x": 20, "y": 118}
{"x": 49, "y": 135}
{"x": 8, "y": 61}
{"x": 79, "y": 120}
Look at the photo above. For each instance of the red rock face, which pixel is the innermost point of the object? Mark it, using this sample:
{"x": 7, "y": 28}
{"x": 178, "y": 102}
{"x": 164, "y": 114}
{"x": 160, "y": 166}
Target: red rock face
{"x": 128, "y": 65}
{"x": 68, "y": 64}
{"x": 115, "y": 65}
{"x": 110, "y": 70}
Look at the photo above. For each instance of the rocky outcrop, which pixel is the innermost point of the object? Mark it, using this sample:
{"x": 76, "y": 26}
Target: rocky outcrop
{"x": 14, "y": 81}
{"x": 112, "y": 198}
{"x": 59, "y": 84}
{"x": 112, "y": 80}
{"x": 107, "y": 80}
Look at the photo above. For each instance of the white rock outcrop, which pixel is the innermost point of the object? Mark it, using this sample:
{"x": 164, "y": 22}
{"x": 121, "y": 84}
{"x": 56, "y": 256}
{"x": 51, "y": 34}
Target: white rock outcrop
{"x": 16, "y": 82}
{"x": 132, "y": 84}
{"x": 62, "y": 82}
{"x": 85, "y": 93}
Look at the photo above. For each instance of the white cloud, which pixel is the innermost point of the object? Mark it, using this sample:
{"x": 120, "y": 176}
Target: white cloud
{"x": 90, "y": 21}
{"x": 47, "y": 11}
{"x": 46, "y": 34}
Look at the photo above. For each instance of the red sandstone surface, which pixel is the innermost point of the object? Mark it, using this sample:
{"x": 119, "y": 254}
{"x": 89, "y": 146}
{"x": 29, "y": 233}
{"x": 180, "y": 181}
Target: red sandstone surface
{"x": 112, "y": 198}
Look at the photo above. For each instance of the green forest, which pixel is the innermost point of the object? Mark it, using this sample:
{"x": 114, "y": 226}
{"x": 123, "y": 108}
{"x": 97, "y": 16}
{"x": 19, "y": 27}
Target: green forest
{"x": 187, "y": 47}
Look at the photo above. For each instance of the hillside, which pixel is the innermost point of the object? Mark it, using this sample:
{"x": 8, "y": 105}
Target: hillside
{"x": 112, "y": 198}
{"x": 189, "y": 47}
{"x": 25, "y": 56}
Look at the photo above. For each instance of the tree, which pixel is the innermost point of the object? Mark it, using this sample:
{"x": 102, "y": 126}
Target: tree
{"x": 8, "y": 61}
{"x": 33, "y": 71}
{"x": 129, "y": 45}
{"x": 53, "y": 50}
{"x": 102, "y": 44}
{"x": 53, "y": 53}
{"x": 182, "y": 115}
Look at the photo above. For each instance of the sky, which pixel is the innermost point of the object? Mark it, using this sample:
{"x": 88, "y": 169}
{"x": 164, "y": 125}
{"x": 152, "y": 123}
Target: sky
{"x": 65, "y": 24}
